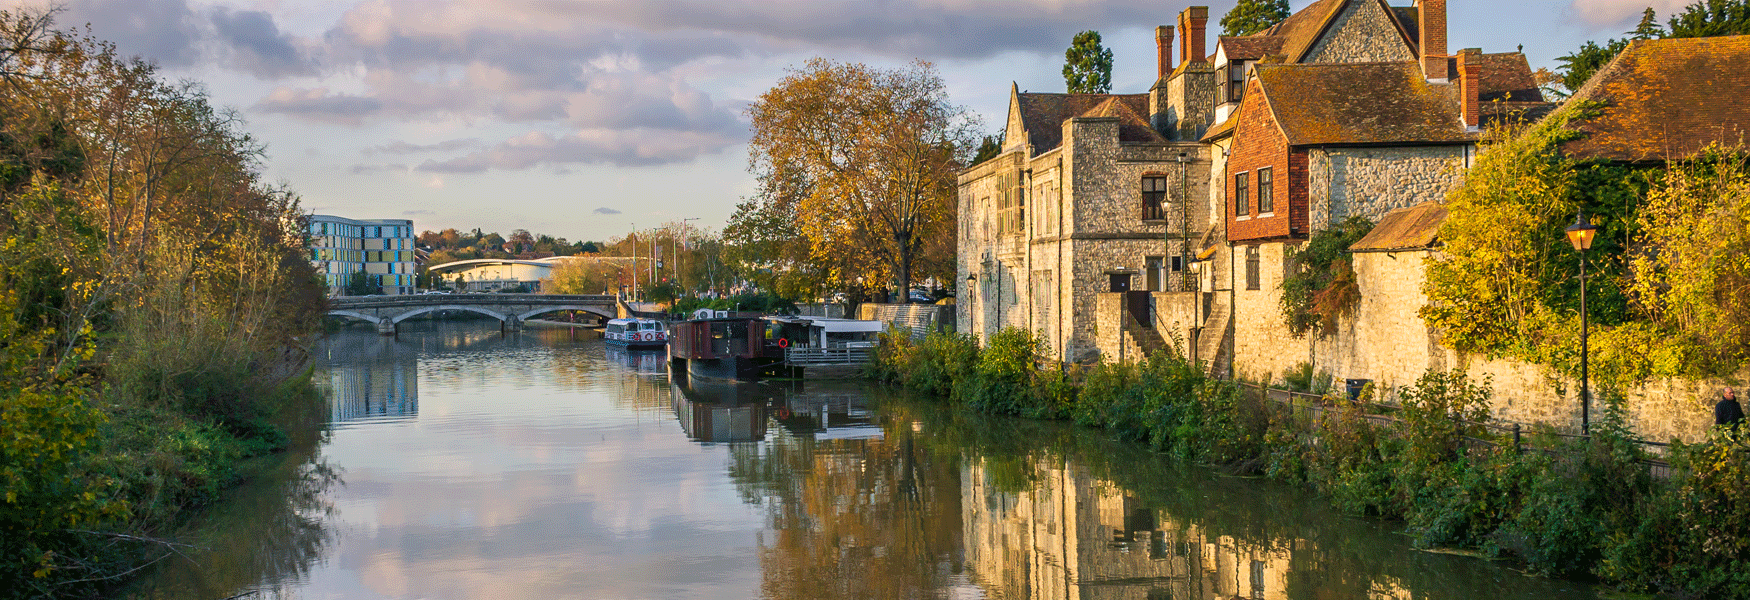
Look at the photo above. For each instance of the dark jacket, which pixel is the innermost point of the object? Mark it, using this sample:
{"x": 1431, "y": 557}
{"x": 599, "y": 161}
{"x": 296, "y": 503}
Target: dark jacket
{"x": 1728, "y": 412}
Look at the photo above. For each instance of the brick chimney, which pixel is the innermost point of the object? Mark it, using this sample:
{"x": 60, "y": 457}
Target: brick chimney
{"x": 1191, "y": 28}
{"x": 1468, "y": 84}
{"x": 1163, "y": 51}
{"x": 1432, "y": 14}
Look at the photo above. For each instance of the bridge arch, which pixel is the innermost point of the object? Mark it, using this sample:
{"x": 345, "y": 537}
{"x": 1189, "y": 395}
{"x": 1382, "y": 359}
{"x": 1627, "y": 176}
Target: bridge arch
{"x": 420, "y": 311}
{"x": 356, "y": 315}
{"x": 604, "y": 313}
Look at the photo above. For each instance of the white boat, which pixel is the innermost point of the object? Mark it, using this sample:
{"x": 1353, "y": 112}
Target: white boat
{"x": 636, "y": 333}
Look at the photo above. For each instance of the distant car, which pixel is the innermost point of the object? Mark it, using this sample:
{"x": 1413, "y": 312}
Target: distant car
{"x": 920, "y": 298}
{"x": 434, "y": 292}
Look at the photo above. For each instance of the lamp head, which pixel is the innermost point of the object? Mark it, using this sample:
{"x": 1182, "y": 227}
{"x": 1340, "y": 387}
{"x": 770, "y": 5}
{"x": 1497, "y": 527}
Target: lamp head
{"x": 1580, "y": 234}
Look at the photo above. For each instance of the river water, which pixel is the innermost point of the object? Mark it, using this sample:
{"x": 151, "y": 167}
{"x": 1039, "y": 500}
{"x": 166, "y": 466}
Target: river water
{"x": 459, "y": 463}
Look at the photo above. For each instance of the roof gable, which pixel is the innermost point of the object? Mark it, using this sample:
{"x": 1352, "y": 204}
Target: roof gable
{"x": 1042, "y": 115}
{"x": 1359, "y": 103}
{"x": 1665, "y": 100}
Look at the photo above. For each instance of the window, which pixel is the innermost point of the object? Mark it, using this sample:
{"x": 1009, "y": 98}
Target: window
{"x": 1154, "y": 198}
{"x": 1252, "y": 268}
{"x": 1236, "y": 81}
{"x": 1178, "y": 264}
{"x": 1241, "y": 207}
{"x": 1266, "y": 191}
{"x": 1011, "y": 204}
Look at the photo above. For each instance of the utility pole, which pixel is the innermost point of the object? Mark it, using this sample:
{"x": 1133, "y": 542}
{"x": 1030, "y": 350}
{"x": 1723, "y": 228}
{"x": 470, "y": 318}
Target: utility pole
{"x": 634, "y": 236}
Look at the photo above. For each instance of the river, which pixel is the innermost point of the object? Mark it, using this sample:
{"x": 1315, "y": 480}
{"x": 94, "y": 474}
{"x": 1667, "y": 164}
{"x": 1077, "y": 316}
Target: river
{"x": 459, "y": 463}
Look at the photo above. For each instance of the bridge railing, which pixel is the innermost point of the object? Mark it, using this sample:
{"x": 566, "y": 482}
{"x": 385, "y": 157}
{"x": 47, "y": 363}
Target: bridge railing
{"x": 428, "y": 299}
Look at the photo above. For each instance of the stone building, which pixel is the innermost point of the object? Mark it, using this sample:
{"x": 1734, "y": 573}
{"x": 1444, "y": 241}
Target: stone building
{"x": 1091, "y": 193}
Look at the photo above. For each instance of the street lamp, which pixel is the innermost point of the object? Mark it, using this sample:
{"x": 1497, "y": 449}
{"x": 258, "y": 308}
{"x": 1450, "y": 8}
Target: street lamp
{"x": 1580, "y": 234}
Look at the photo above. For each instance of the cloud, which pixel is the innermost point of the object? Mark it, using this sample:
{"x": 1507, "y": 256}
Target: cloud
{"x": 625, "y": 148}
{"x": 256, "y": 44}
{"x": 370, "y": 169}
{"x": 1602, "y": 13}
{"x": 401, "y": 147}
{"x": 167, "y": 32}
{"x": 317, "y": 104}
{"x": 605, "y": 211}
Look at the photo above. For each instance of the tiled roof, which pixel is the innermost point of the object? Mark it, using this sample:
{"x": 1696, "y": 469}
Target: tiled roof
{"x": 1666, "y": 99}
{"x": 1300, "y": 29}
{"x": 1360, "y": 103}
{"x": 1411, "y": 228}
{"x": 1132, "y": 125}
{"x": 1506, "y": 76}
{"x": 1043, "y": 114}
{"x": 1251, "y": 47}
{"x": 1220, "y": 130}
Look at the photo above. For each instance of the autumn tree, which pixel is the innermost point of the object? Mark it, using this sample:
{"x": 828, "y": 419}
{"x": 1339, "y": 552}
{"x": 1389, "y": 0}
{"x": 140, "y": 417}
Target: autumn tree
{"x": 1252, "y": 16}
{"x": 1087, "y": 65}
{"x": 866, "y": 159}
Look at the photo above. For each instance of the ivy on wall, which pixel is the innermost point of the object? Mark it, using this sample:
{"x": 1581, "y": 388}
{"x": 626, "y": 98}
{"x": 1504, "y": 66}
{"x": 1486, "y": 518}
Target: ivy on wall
{"x": 1320, "y": 285}
{"x": 1664, "y": 278}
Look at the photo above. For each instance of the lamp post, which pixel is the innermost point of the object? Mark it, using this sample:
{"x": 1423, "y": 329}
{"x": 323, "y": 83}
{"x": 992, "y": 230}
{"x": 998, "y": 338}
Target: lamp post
{"x": 1580, "y": 234}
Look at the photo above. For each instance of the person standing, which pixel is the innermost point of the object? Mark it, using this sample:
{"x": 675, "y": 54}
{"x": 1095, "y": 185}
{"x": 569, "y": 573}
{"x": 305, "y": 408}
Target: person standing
{"x": 1728, "y": 412}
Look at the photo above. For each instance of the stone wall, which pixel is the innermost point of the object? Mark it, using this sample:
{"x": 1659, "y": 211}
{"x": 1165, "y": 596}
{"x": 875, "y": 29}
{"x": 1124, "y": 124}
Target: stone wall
{"x": 1344, "y": 182}
{"x": 1363, "y": 32}
{"x": 1384, "y": 339}
{"x": 1262, "y": 344}
{"x": 1185, "y": 102}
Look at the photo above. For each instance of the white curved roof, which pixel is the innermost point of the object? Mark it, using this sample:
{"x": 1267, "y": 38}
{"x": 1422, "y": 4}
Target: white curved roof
{"x": 536, "y": 262}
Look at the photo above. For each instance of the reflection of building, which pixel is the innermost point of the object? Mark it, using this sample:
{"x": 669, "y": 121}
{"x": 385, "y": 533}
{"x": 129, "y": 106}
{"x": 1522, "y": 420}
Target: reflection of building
{"x": 382, "y": 248}
{"x": 1071, "y": 535}
{"x": 371, "y": 377}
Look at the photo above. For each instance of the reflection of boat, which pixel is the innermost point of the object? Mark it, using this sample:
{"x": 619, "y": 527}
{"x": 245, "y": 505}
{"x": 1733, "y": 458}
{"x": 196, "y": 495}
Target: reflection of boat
{"x": 637, "y": 361}
{"x": 721, "y": 411}
{"x": 635, "y": 333}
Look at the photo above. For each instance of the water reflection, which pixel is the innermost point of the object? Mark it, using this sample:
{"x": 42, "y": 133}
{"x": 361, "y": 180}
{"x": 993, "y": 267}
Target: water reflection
{"x": 535, "y": 465}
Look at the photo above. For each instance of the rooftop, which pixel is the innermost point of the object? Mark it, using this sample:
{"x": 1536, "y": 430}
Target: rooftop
{"x": 1665, "y": 100}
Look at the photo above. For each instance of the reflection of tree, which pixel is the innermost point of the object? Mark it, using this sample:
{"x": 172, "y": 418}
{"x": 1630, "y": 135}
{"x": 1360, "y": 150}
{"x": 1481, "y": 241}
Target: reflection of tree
{"x": 865, "y": 518}
{"x": 284, "y": 511}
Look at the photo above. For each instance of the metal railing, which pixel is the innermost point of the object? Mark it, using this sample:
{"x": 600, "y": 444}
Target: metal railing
{"x": 834, "y": 355}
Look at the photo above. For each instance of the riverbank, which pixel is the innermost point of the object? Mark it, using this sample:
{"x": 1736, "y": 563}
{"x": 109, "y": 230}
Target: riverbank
{"x": 1567, "y": 508}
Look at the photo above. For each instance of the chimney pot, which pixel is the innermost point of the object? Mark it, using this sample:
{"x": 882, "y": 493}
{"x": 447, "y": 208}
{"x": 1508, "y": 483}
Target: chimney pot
{"x": 1192, "y": 21}
{"x": 1163, "y": 51}
{"x": 1432, "y": 45}
{"x": 1469, "y": 92}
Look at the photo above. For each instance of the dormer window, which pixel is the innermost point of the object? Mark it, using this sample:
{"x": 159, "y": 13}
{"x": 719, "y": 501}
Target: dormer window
{"x": 1236, "y": 81}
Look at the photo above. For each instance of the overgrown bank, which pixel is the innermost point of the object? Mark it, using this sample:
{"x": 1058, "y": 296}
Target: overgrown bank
{"x": 153, "y": 294}
{"x": 1562, "y": 508}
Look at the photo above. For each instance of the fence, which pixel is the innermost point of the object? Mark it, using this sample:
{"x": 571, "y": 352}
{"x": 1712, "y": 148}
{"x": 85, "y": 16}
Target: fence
{"x": 1310, "y": 409}
{"x": 833, "y": 355}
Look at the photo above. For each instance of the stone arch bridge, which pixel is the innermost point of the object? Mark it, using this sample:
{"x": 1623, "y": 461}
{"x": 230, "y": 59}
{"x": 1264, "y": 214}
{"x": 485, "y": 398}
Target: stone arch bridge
{"x": 510, "y": 309}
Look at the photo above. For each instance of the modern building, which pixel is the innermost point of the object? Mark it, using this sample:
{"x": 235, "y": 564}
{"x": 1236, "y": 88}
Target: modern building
{"x": 382, "y": 248}
{"x": 493, "y": 274}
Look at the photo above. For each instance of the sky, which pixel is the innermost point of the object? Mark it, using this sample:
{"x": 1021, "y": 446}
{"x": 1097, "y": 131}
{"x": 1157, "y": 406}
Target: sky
{"x": 585, "y": 119}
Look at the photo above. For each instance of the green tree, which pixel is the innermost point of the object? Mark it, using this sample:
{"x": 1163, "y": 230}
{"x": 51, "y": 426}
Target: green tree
{"x": 1648, "y": 28}
{"x": 1252, "y": 16}
{"x": 359, "y": 284}
{"x": 1087, "y": 65}
{"x": 1579, "y": 66}
{"x": 1708, "y": 18}
{"x": 988, "y": 149}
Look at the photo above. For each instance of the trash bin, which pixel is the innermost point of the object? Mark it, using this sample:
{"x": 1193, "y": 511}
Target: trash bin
{"x": 1354, "y": 386}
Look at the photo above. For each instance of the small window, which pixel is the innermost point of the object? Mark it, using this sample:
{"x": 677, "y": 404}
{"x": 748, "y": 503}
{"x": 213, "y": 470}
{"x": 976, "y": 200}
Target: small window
{"x": 1154, "y": 198}
{"x": 1266, "y": 191}
{"x": 1236, "y": 82}
{"x": 1178, "y": 264}
{"x": 1252, "y": 282}
{"x": 1241, "y": 206}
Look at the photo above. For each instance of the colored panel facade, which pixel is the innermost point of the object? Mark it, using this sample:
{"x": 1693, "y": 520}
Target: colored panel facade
{"x": 382, "y": 248}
